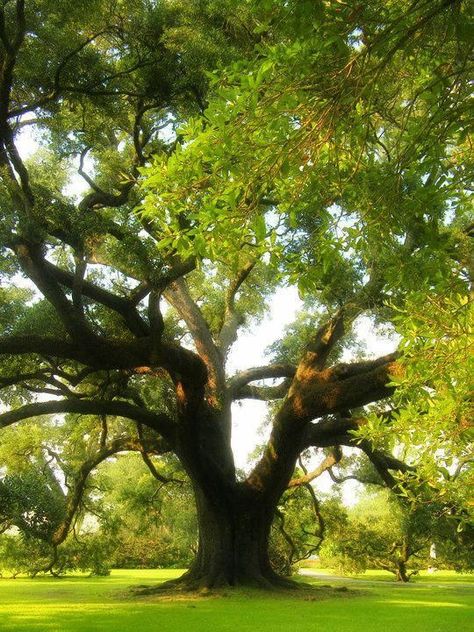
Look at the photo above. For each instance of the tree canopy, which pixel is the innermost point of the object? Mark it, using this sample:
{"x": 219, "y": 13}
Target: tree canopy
{"x": 228, "y": 149}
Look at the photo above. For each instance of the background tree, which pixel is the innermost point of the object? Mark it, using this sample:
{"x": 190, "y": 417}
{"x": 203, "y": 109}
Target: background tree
{"x": 149, "y": 523}
{"x": 377, "y": 533}
{"x": 330, "y": 153}
{"x": 48, "y": 491}
{"x": 381, "y": 532}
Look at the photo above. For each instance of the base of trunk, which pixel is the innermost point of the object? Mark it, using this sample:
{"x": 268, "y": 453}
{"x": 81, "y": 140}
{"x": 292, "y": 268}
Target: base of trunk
{"x": 233, "y": 545}
{"x": 189, "y": 582}
{"x": 234, "y": 530}
{"x": 202, "y": 581}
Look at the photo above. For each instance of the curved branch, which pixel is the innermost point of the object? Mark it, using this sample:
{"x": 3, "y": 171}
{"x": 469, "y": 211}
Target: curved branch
{"x": 332, "y": 432}
{"x": 74, "y": 497}
{"x": 56, "y": 82}
{"x": 460, "y": 466}
{"x": 315, "y": 502}
{"x": 99, "y": 198}
{"x": 350, "y": 477}
{"x": 286, "y": 536}
{"x": 123, "y": 306}
{"x": 157, "y": 421}
{"x": 263, "y": 393}
{"x": 144, "y": 451}
{"x": 238, "y": 381}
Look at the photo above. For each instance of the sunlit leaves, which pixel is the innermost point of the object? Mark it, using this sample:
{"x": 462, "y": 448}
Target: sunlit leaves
{"x": 337, "y": 111}
{"x": 432, "y": 420}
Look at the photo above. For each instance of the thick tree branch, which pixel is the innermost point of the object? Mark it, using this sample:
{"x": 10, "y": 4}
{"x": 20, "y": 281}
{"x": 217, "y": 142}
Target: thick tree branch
{"x": 156, "y": 321}
{"x": 263, "y": 393}
{"x": 344, "y": 370}
{"x": 331, "y": 431}
{"x": 11, "y": 380}
{"x": 384, "y": 464}
{"x": 331, "y": 332}
{"x": 173, "y": 271}
{"x": 99, "y": 198}
{"x": 242, "y": 379}
{"x": 100, "y": 354}
{"x": 33, "y": 264}
{"x": 315, "y": 397}
{"x": 178, "y": 295}
{"x": 319, "y": 348}
{"x": 123, "y": 306}
{"x": 159, "y": 422}
{"x": 42, "y": 345}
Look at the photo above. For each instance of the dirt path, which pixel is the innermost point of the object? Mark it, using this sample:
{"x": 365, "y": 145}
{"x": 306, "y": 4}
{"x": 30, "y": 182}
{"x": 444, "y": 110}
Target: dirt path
{"x": 307, "y": 572}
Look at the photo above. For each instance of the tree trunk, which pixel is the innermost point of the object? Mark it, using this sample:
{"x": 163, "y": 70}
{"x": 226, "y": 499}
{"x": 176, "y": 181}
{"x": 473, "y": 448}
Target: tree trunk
{"x": 233, "y": 542}
{"x": 401, "y": 572}
{"x": 234, "y": 518}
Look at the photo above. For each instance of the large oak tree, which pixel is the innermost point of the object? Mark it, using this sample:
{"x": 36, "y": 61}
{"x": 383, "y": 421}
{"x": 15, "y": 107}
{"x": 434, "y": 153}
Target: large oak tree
{"x": 329, "y": 151}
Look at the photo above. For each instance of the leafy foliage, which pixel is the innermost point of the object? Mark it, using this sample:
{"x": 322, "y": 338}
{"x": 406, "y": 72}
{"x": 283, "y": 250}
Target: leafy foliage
{"x": 146, "y": 524}
{"x": 306, "y": 135}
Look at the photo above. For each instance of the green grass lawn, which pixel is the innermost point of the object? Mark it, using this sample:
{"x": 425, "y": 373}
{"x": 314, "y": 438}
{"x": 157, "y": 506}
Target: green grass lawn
{"x": 83, "y": 604}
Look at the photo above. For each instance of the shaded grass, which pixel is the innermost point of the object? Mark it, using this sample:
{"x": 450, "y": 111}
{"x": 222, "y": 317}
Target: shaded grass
{"x": 79, "y": 604}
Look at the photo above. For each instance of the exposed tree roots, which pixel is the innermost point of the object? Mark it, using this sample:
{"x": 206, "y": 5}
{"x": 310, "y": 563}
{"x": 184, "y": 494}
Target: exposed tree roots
{"x": 190, "y": 586}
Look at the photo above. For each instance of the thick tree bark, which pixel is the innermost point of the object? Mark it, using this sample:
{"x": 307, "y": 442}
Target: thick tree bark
{"x": 234, "y": 518}
{"x": 234, "y": 534}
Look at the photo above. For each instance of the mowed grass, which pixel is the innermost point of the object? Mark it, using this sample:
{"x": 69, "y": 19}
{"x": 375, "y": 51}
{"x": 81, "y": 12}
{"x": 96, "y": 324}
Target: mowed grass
{"x": 80, "y": 604}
